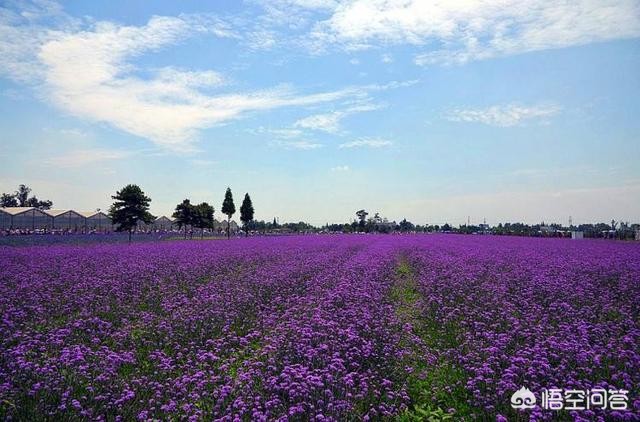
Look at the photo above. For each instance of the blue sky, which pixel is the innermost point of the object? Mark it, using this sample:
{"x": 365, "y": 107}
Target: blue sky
{"x": 433, "y": 111}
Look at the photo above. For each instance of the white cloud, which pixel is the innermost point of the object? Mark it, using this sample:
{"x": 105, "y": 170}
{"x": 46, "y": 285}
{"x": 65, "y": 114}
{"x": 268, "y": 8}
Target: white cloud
{"x": 21, "y": 35}
{"x": 504, "y": 115}
{"x": 354, "y": 61}
{"x": 464, "y": 30}
{"x": 88, "y": 76}
{"x": 386, "y": 58}
{"x": 86, "y": 157}
{"x": 339, "y": 169}
{"x": 90, "y": 73}
{"x": 191, "y": 79}
{"x": 328, "y": 122}
{"x": 303, "y": 144}
{"x": 282, "y": 133}
{"x": 366, "y": 143}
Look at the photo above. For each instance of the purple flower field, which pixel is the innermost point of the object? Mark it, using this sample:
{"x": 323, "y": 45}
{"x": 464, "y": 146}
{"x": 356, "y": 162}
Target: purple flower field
{"x": 317, "y": 328}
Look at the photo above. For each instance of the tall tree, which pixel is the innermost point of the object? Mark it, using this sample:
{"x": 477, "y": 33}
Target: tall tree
{"x": 246, "y": 213}
{"x": 130, "y": 207}
{"x": 184, "y": 215}
{"x": 362, "y": 216}
{"x": 22, "y": 195}
{"x": 228, "y": 208}
{"x": 203, "y": 217}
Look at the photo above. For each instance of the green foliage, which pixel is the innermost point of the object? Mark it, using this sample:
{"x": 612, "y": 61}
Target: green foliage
{"x": 203, "y": 216}
{"x": 199, "y": 216}
{"x": 425, "y": 413}
{"x": 228, "y": 209}
{"x": 406, "y": 226}
{"x": 431, "y": 387}
{"x": 8, "y": 200}
{"x": 184, "y": 215}
{"x": 362, "y": 217}
{"x": 130, "y": 207}
{"x": 246, "y": 210}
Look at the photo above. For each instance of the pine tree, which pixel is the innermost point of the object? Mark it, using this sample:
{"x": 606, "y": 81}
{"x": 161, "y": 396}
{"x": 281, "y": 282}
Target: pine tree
{"x": 130, "y": 207}
{"x": 228, "y": 209}
{"x": 246, "y": 213}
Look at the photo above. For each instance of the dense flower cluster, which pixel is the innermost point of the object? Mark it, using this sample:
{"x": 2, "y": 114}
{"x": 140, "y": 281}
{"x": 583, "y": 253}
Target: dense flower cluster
{"x": 315, "y": 327}
{"x": 539, "y": 313}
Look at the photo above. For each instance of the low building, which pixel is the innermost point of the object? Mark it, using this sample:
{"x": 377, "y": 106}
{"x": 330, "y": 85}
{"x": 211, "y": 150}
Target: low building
{"x": 164, "y": 224}
{"x": 97, "y": 221}
{"x": 5, "y": 220}
{"x": 66, "y": 219}
{"x": 575, "y": 234}
{"x": 25, "y": 218}
{"x": 221, "y": 226}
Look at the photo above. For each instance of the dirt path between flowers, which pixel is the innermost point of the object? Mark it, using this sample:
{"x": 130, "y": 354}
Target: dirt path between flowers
{"x": 434, "y": 380}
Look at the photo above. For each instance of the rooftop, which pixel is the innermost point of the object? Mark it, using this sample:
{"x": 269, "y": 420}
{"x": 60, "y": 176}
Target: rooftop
{"x": 57, "y": 212}
{"x": 15, "y": 210}
{"x": 90, "y": 213}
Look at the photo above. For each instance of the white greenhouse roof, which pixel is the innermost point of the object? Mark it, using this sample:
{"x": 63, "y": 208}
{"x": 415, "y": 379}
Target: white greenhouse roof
{"x": 57, "y": 212}
{"x": 16, "y": 210}
{"x": 91, "y": 213}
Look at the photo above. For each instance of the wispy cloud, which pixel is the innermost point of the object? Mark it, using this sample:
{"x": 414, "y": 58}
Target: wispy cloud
{"x": 366, "y": 143}
{"x": 472, "y": 30}
{"x": 286, "y": 133}
{"x": 86, "y": 157}
{"x": 88, "y": 76}
{"x": 87, "y": 71}
{"x": 339, "y": 169}
{"x": 330, "y": 122}
{"x": 327, "y": 122}
{"x": 302, "y": 144}
{"x": 504, "y": 115}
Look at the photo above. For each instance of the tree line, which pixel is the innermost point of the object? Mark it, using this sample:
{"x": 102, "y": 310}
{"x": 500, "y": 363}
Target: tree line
{"x": 131, "y": 207}
{"x": 21, "y": 198}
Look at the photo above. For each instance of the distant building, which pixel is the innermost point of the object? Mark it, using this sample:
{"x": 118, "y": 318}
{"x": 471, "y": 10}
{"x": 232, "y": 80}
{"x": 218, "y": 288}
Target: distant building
{"x": 66, "y": 219}
{"x": 547, "y": 230}
{"x": 97, "y": 221}
{"x": 577, "y": 234}
{"x": 163, "y": 224}
{"x": 385, "y": 226}
{"x": 221, "y": 226}
{"x": 24, "y": 218}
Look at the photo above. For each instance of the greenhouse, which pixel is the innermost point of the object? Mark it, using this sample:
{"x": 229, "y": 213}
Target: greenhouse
{"x": 97, "y": 220}
{"x": 25, "y": 218}
{"x": 5, "y": 219}
{"x": 163, "y": 224}
{"x": 67, "y": 220}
